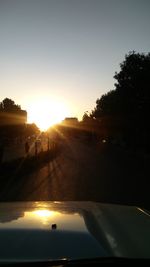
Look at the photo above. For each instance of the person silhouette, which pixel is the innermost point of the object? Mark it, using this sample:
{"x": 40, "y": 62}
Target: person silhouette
{"x": 36, "y": 148}
{"x": 27, "y": 147}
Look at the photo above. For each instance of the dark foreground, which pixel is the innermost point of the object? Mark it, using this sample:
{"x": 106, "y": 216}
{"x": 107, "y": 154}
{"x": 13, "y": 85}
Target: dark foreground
{"x": 80, "y": 171}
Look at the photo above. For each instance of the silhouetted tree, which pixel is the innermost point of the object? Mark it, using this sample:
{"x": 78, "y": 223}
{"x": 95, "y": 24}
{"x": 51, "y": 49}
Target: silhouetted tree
{"x": 106, "y": 105}
{"x": 129, "y": 103}
{"x": 9, "y": 105}
{"x": 133, "y": 85}
{"x": 86, "y": 117}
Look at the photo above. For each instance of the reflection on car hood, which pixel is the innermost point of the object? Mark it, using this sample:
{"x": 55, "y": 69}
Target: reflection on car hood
{"x": 35, "y": 231}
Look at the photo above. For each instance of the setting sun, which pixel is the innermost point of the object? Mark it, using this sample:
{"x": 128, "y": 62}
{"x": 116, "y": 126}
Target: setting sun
{"x": 45, "y": 112}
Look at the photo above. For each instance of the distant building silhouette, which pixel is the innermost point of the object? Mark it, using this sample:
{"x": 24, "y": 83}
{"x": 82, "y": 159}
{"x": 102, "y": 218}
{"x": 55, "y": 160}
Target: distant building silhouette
{"x": 70, "y": 120}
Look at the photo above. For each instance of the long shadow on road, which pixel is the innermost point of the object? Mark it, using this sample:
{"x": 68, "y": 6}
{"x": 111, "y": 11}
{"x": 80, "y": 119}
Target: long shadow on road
{"x": 85, "y": 172}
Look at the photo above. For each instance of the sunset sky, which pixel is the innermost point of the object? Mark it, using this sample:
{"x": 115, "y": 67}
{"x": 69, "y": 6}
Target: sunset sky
{"x": 61, "y": 55}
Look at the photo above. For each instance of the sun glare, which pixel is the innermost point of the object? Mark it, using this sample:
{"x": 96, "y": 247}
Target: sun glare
{"x": 44, "y": 213}
{"x": 45, "y": 113}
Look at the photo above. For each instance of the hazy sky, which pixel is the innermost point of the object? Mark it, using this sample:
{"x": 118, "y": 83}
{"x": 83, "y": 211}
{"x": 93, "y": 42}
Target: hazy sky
{"x": 67, "y": 49}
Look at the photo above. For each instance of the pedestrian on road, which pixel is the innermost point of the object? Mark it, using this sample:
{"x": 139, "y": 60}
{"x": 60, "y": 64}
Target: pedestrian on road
{"x": 36, "y": 148}
{"x": 27, "y": 147}
{"x": 48, "y": 144}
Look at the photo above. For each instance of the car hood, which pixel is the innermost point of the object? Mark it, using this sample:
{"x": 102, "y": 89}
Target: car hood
{"x": 41, "y": 231}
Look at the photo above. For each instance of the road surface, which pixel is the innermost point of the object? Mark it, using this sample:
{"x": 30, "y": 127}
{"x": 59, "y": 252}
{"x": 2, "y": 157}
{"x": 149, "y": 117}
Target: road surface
{"x": 84, "y": 172}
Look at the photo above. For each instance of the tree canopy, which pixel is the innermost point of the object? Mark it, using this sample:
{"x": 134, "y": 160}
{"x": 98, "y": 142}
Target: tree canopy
{"x": 131, "y": 97}
{"x": 9, "y": 105}
{"x": 126, "y": 109}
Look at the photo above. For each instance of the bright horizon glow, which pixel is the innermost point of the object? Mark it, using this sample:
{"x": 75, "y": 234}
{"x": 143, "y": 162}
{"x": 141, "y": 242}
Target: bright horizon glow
{"x": 47, "y": 112}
